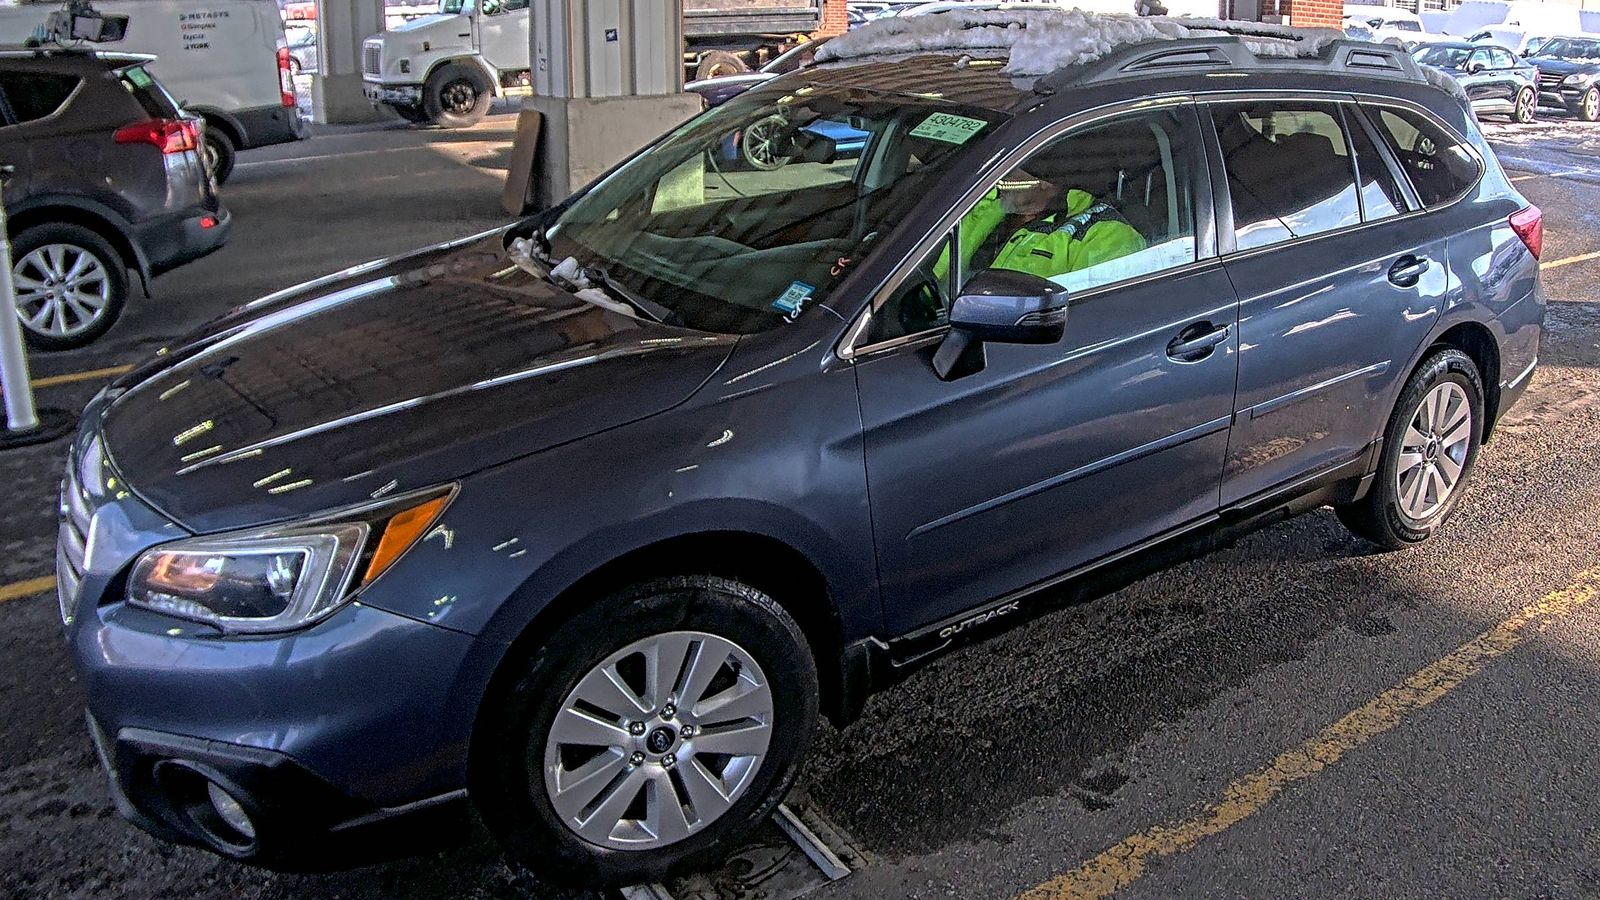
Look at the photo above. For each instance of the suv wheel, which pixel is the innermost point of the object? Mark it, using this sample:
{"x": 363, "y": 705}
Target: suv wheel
{"x": 1429, "y": 450}
{"x": 218, "y": 153}
{"x": 1524, "y": 111}
{"x": 1589, "y": 105}
{"x": 456, "y": 96}
{"x": 647, "y": 733}
{"x": 70, "y": 282}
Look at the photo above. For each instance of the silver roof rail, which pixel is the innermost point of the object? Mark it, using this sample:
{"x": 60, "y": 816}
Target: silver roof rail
{"x": 1230, "y": 53}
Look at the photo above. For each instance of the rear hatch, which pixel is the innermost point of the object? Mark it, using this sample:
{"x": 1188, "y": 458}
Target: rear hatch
{"x": 160, "y": 106}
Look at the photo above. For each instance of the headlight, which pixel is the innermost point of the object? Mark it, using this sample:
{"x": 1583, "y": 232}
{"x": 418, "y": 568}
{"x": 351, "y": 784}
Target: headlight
{"x": 281, "y": 577}
{"x": 1575, "y": 78}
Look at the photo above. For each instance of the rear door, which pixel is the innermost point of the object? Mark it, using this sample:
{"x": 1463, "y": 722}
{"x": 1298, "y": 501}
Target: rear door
{"x": 1053, "y": 456}
{"x": 1337, "y": 286}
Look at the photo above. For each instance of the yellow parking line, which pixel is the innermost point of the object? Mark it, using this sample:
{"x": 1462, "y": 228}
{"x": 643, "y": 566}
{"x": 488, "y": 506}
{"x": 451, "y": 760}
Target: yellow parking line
{"x": 19, "y": 589}
{"x": 70, "y": 377}
{"x": 1121, "y": 865}
{"x": 1569, "y": 260}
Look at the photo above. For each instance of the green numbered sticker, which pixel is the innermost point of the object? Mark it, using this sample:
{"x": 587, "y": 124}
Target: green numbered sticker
{"x": 948, "y": 128}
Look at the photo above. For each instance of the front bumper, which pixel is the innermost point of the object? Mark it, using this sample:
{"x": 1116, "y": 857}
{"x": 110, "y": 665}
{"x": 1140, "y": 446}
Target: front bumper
{"x": 393, "y": 94}
{"x": 1563, "y": 97}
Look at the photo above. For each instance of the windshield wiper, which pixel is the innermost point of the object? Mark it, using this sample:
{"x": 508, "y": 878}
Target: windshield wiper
{"x": 650, "y": 308}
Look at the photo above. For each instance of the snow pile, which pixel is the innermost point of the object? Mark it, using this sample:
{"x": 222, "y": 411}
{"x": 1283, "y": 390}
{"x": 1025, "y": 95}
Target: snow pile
{"x": 1040, "y": 41}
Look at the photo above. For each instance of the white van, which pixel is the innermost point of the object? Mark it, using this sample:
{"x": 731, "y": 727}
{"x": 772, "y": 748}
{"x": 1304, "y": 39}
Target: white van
{"x": 225, "y": 60}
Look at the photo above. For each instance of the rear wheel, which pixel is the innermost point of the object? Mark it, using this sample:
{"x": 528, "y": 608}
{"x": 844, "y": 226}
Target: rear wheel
{"x": 218, "y": 152}
{"x": 1429, "y": 449}
{"x": 70, "y": 282}
{"x": 647, "y": 734}
{"x": 456, "y": 96}
{"x": 414, "y": 114}
{"x": 1524, "y": 111}
{"x": 1589, "y": 105}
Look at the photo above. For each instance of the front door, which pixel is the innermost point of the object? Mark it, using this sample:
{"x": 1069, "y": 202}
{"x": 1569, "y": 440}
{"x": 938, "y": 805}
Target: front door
{"x": 503, "y": 33}
{"x": 1052, "y": 456}
{"x": 1337, "y": 289}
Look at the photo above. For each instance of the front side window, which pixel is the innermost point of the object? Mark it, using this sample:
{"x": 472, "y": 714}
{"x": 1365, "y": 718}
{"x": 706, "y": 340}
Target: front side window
{"x": 35, "y": 95}
{"x": 1440, "y": 167}
{"x": 748, "y": 215}
{"x": 1442, "y": 56}
{"x": 1500, "y": 59}
{"x": 1289, "y": 170}
{"x": 1103, "y": 204}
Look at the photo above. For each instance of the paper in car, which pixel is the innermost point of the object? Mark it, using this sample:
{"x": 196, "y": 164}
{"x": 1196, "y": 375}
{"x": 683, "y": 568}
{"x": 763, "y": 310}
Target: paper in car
{"x": 951, "y": 129}
{"x": 792, "y": 300}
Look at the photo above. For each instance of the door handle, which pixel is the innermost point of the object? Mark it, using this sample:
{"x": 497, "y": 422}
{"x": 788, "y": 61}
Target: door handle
{"x": 1197, "y": 341}
{"x": 1407, "y": 270}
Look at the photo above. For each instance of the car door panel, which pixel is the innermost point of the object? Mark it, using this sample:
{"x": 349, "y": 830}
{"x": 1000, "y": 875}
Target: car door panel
{"x": 1051, "y": 456}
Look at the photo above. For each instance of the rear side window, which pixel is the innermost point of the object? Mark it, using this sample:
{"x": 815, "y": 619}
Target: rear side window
{"x": 34, "y": 95}
{"x": 1290, "y": 173}
{"x": 1440, "y": 167}
{"x": 157, "y": 103}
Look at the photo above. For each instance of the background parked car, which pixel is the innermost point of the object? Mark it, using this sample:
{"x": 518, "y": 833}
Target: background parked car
{"x": 719, "y": 90}
{"x": 1568, "y": 69}
{"x": 108, "y": 177}
{"x": 1385, "y": 24}
{"x": 233, "y": 71}
{"x": 1520, "y": 41}
{"x": 1497, "y": 81}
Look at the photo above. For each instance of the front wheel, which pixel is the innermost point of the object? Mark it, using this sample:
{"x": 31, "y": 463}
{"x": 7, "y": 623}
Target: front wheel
{"x": 1589, "y": 105}
{"x": 1523, "y": 112}
{"x": 456, "y": 96}
{"x": 1429, "y": 449}
{"x": 648, "y": 734}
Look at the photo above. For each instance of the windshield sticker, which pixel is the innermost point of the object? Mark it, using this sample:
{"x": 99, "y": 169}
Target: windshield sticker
{"x": 948, "y": 128}
{"x": 793, "y": 300}
{"x": 138, "y": 77}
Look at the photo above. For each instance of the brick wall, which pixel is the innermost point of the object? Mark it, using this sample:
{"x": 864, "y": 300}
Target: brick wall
{"x": 834, "y": 20}
{"x": 1311, "y": 13}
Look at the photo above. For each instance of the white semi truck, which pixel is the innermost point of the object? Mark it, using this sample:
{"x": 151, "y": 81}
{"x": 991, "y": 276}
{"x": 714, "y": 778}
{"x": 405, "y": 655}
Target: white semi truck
{"x": 447, "y": 67}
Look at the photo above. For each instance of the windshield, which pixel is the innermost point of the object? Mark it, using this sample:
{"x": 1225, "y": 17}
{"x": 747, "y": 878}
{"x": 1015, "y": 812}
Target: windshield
{"x": 1444, "y": 57}
{"x": 1404, "y": 25}
{"x": 747, "y": 216}
{"x": 1570, "y": 48}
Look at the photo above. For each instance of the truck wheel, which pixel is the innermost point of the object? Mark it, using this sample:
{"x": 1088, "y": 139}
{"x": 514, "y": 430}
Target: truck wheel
{"x": 717, "y": 63}
{"x": 456, "y": 96}
{"x": 413, "y": 114}
{"x": 650, "y": 733}
{"x": 71, "y": 284}
{"x": 218, "y": 153}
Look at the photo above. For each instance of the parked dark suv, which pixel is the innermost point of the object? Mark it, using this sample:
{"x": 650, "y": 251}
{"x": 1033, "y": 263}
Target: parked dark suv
{"x": 590, "y": 518}
{"x": 106, "y": 176}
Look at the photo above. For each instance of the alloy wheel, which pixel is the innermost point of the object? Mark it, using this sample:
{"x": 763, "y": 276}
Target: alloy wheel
{"x": 658, "y": 740}
{"x": 1433, "y": 451}
{"x": 761, "y": 143}
{"x": 62, "y": 290}
{"x": 1525, "y": 104}
{"x": 1591, "y": 104}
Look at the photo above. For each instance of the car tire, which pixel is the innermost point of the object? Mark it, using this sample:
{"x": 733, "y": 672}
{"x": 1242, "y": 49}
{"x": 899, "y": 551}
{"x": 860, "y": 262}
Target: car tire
{"x": 416, "y": 115}
{"x": 758, "y": 145}
{"x": 719, "y": 63}
{"x": 1524, "y": 110}
{"x": 456, "y": 96}
{"x": 519, "y": 758}
{"x": 219, "y": 153}
{"x": 44, "y": 252}
{"x": 1588, "y": 108}
{"x": 1426, "y": 463}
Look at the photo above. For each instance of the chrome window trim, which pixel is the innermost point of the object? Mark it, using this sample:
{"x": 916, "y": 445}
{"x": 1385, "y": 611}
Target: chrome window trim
{"x": 846, "y": 349}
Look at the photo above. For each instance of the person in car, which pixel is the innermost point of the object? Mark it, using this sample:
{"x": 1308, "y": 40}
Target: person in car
{"x": 1061, "y": 231}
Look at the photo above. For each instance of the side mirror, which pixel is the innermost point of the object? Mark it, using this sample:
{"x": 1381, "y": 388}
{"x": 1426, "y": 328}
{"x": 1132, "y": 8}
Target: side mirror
{"x": 1002, "y": 307}
{"x": 1475, "y": 67}
{"x": 814, "y": 147}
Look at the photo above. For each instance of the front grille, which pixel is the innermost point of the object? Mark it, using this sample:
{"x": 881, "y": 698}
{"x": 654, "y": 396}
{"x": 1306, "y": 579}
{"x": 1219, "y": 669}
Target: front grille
{"x": 72, "y": 540}
{"x": 372, "y": 59}
{"x": 1549, "y": 82}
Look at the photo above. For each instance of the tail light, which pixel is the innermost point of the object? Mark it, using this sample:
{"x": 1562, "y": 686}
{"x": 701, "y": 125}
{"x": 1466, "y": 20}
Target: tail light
{"x": 285, "y": 77}
{"x": 168, "y": 135}
{"x": 1529, "y": 225}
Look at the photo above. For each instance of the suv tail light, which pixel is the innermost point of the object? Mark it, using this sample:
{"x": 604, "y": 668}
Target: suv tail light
{"x": 1529, "y": 225}
{"x": 168, "y": 135}
{"x": 285, "y": 77}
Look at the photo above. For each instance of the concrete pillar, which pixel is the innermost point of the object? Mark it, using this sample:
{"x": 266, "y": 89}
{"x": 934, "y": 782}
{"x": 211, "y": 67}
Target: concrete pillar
{"x": 607, "y": 79}
{"x": 336, "y": 88}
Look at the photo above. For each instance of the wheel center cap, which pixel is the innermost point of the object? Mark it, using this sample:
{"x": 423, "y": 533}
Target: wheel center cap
{"x": 1433, "y": 449}
{"x": 660, "y": 740}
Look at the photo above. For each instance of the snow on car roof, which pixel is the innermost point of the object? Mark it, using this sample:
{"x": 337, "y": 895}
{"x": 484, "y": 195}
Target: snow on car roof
{"x": 1040, "y": 41}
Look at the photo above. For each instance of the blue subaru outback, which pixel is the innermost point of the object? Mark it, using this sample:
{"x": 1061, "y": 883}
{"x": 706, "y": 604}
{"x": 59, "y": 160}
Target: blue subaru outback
{"x": 587, "y": 520}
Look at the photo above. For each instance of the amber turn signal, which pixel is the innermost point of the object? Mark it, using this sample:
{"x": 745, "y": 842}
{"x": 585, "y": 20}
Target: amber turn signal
{"x": 401, "y": 532}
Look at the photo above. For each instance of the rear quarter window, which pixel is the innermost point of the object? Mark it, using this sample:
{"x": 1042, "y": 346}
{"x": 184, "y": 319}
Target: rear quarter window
{"x": 35, "y": 95}
{"x": 1439, "y": 165}
{"x": 138, "y": 82}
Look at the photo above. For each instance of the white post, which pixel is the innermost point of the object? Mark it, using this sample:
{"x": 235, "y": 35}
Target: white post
{"x": 607, "y": 79}
{"x": 20, "y": 413}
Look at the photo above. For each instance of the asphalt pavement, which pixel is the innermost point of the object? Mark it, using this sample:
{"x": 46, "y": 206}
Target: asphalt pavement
{"x": 1294, "y": 715}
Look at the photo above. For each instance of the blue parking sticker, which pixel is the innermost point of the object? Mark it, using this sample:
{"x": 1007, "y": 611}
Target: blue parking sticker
{"x": 793, "y": 300}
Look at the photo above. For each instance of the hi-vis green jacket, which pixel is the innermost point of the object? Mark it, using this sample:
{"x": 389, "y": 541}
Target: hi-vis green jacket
{"x": 1086, "y": 234}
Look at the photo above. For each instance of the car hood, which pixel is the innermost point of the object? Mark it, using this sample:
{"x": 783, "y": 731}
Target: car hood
{"x": 422, "y": 23}
{"x": 1550, "y": 65}
{"x": 391, "y": 377}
